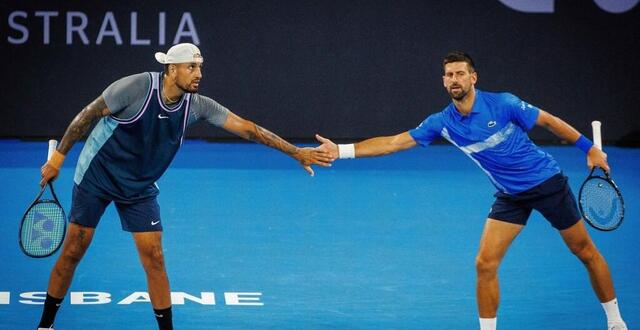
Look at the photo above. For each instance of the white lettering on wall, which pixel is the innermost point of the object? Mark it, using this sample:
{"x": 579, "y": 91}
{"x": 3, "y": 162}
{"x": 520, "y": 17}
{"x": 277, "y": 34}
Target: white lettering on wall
{"x": 616, "y": 6}
{"x": 46, "y": 23}
{"x": 18, "y": 27}
{"x": 79, "y": 29}
{"x": 548, "y": 6}
{"x": 109, "y": 28}
{"x": 162, "y": 21}
{"x": 134, "y": 31}
{"x": 78, "y": 26}
{"x": 186, "y": 20}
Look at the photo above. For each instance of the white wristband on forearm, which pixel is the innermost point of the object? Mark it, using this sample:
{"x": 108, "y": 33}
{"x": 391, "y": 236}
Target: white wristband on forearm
{"x": 346, "y": 151}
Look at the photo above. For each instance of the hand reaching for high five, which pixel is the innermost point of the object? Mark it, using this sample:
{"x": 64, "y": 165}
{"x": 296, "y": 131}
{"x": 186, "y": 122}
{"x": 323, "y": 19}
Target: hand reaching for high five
{"x": 328, "y": 146}
{"x": 312, "y": 156}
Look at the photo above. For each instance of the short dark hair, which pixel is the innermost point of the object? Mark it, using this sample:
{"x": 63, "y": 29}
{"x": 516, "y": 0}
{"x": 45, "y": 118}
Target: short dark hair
{"x": 457, "y": 56}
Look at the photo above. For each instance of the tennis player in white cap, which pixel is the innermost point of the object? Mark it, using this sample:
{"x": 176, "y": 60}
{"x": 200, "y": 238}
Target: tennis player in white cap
{"x": 140, "y": 125}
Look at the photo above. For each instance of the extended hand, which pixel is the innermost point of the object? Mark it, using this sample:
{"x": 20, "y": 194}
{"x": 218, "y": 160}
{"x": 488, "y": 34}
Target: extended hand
{"x": 597, "y": 157}
{"x": 328, "y": 146}
{"x": 312, "y": 156}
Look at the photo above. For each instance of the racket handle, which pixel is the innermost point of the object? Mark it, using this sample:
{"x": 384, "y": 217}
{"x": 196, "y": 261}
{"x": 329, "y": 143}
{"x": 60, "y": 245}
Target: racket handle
{"x": 597, "y": 137}
{"x": 53, "y": 144}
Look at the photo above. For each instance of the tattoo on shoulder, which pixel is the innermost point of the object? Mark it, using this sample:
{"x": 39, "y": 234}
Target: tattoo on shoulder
{"x": 82, "y": 123}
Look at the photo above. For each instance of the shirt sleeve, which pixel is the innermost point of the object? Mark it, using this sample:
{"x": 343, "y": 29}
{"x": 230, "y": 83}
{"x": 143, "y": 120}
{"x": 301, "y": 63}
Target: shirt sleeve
{"x": 125, "y": 91}
{"x": 520, "y": 112}
{"x": 428, "y": 130}
{"x": 205, "y": 108}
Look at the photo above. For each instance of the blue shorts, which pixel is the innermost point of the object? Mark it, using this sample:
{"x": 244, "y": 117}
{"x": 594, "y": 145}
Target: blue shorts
{"x": 552, "y": 198}
{"x": 141, "y": 216}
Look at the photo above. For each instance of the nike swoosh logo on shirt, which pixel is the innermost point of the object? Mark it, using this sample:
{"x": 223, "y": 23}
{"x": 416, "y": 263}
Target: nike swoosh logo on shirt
{"x": 153, "y": 223}
{"x": 162, "y": 117}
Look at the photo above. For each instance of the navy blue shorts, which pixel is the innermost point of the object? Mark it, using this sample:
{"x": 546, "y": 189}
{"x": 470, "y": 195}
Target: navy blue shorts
{"x": 141, "y": 216}
{"x": 552, "y": 198}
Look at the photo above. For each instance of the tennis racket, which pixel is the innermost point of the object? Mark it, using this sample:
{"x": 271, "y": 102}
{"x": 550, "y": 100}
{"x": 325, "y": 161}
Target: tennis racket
{"x": 44, "y": 224}
{"x": 600, "y": 200}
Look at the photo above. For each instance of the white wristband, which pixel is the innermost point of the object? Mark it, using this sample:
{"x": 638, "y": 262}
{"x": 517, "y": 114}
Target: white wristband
{"x": 346, "y": 151}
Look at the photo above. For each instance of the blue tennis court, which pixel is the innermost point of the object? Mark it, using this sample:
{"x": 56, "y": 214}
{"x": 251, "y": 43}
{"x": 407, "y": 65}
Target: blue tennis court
{"x": 252, "y": 242}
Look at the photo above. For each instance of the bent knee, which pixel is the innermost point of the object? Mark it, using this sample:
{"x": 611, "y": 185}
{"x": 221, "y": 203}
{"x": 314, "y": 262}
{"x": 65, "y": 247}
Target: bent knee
{"x": 585, "y": 251}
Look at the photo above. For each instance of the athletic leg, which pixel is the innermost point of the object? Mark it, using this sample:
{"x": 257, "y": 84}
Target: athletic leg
{"x": 86, "y": 211}
{"x": 150, "y": 251}
{"x": 149, "y": 246}
{"x": 579, "y": 242}
{"x": 577, "y": 239}
{"x": 559, "y": 207}
{"x": 496, "y": 239}
{"x": 142, "y": 219}
{"x": 75, "y": 245}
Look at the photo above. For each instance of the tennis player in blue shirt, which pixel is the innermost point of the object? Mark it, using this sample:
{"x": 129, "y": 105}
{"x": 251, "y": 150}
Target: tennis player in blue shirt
{"x": 491, "y": 129}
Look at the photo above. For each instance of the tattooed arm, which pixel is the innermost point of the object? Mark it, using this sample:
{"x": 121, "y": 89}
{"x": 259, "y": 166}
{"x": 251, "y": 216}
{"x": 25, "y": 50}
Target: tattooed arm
{"x": 250, "y": 131}
{"x": 78, "y": 128}
{"x": 81, "y": 124}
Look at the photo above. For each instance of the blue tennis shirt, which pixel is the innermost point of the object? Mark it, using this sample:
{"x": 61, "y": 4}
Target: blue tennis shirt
{"x": 494, "y": 136}
{"x": 123, "y": 158}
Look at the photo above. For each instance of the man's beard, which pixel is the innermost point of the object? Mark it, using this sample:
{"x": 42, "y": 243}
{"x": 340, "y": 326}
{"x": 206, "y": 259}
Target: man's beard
{"x": 459, "y": 96}
{"x": 188, "y": 89}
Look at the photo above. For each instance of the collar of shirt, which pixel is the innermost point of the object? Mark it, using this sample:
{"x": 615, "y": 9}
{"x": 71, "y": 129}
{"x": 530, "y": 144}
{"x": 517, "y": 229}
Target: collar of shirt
{"x": 474, "y": 109}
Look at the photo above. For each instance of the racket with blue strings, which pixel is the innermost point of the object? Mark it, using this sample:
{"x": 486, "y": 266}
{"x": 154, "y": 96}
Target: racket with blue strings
{"x": 44, "y": 224}
{"x": 600, "y": 199}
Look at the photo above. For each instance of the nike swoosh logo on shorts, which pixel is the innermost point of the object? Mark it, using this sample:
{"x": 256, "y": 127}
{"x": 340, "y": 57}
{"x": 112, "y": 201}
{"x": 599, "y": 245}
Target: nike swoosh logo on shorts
{"x": 160, "y": 116}
{"x": 153, "y": 223}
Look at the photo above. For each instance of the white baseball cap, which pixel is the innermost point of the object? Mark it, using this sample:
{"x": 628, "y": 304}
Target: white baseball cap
{"x": 180, "y": 53}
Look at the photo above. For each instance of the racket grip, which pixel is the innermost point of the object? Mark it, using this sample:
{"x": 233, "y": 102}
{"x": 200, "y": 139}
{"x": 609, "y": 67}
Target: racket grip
{"x": 53, "y": 144}
{"x": 597, "y": 137}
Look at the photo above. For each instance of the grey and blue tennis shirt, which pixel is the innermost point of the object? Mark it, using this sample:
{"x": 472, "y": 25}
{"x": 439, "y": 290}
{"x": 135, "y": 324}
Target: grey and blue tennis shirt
{"x": 494, "y": 136}
{"x": 130, "y": 149}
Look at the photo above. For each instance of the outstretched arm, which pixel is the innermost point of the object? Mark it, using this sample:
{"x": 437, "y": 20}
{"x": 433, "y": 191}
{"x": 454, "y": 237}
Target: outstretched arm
{"x": 250, "y": 131}
{"x": 78, "y": 128}
{"x": 377, "y": 146}
{"x": 595, "y": 156}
